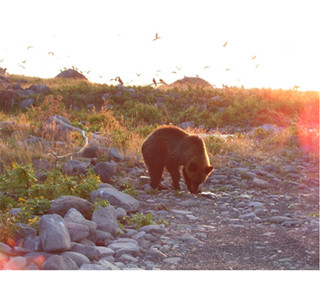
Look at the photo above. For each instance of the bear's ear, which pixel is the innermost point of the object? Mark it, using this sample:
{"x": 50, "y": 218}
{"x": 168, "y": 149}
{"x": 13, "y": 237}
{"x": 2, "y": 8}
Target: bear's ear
{"x": 193, "y": 167}
{"x": 208, "y": 170}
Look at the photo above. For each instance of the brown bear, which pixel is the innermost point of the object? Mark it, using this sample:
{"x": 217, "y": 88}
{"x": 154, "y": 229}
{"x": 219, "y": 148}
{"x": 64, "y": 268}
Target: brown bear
{"x": 172, "y": 147}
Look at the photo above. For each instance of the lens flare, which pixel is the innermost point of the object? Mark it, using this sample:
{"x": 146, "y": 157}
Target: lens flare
{"x": 308, "y": 129}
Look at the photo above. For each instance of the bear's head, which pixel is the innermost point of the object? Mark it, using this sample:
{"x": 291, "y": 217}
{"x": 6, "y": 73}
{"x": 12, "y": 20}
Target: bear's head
{"x": 194, "y": 174}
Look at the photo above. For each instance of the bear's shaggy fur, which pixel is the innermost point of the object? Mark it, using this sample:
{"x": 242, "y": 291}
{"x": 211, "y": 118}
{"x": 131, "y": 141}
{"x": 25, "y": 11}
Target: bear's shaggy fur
{"x": 171, "y": 147}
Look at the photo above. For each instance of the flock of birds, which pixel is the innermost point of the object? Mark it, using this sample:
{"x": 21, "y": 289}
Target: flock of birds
{"x": 118, "y": 79}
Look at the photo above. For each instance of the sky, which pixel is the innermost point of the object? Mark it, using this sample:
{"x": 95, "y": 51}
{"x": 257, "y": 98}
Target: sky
{"x": 270, "y": 43}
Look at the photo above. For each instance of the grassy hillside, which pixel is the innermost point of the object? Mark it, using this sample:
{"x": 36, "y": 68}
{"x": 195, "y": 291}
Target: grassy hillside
{"x": 127, "y": 115}
{"x": 122, "y": 117}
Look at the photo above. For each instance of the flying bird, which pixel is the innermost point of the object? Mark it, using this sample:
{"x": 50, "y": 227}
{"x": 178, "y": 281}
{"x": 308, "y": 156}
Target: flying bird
{"x": 296, "y": 87}
{"x": 50, "y": 53}
{"x": 206, "y": 67}
{"x": 138, "y": 74}
{"x": 29, "y": 47}
{"x": 21, "y": 66}
{"x": 157, "y": 37}
{"x": 174, "y": 72}
{"x": 254, "y": 57}
{"x": 257, "y": 65}
{"x": 225, "y": 44}
{"x": 162, "y": 81}
{"x": 178, "y": 68}
{"x": 227, "y": 69}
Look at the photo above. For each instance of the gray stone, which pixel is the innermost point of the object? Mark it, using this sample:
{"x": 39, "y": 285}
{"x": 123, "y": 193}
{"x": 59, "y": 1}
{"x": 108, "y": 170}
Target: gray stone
{"x": 153, "y": 229}
{"x": 105, "y": 251}
{"x": 260, "y": 183}
{"x": 125, "y": 246}
{"x": 57, "y": 262}
{"x": 78, "y": 258}
{"x": 155, "y": 254}
{"x": 90, "y": 152}
{"x": 77, "y": 232}
{"x": 75, "y": 167}
{"x": 255, "y": 204}
{"x": 104, "y": 170}
{"x": 41, "y": 164}
{"x": 107, "y": 265}
{"x": 127, "y": 258}
{"x": 4, "y": 248}
{"x": 53, "y": 233}
{"x": 106, "y": 219}
{"x": 120, "y": 212}
{"x": 279, "y": 219}
{"x": 40, "y": 88}
{"x": 62, "y": 204}
{"x": 89, "y": 251}
{"x": 16, "y": 263}
{"x": 27, "y": 103}
{"x": 115, "y": 155}
{"x": 103, "y": 238}
{"x": 95, "y": 267}
{"x": 172, "y": 260}
{"x": 116, "y": 198}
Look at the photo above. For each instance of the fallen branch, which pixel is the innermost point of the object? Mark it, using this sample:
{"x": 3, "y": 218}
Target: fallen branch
{"x": 55, "y": 156}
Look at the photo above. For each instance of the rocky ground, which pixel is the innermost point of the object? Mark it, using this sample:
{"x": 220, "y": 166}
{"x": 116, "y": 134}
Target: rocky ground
{"x": 251, "y": 216}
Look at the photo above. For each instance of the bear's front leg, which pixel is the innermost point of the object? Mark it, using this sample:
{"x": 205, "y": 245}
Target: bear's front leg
{"x": 175, "y": 175}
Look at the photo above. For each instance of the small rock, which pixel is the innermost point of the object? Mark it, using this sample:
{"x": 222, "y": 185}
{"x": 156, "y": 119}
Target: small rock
{"x": 260, "y": 183}
{"x": 104, "y": 170}
{"x": 172, "y": 260}
{"x": 278, "y": 219}
{"x": 77, "y": 232}
{"x": 89, "y": 251}
{"x": 127, "y": 258}
{"x": 156, "y": 254}
{"x": 115, "y": 155}
{"x": 57, "y": 262}
{"x": 78, "y": 258}
{"x": 93, "y": 267}
{"x": 125, "y": 246}
{"x": 106, "y": 219}
{"x": 27, "y": 103}
{"x": 75, "y": 167}
{"x": 90, "y": 152}
{"x": 153, "y": 229}
{"x": 16, "y": 263}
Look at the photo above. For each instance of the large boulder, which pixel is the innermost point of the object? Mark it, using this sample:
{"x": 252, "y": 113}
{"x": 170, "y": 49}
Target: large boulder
{"x": 186, "y": 82}
{"x": 70, "y": 73}
{"x": 53, "y": 233}
{"x": 115, "y": 198}
{"x": 62, "y": 204}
